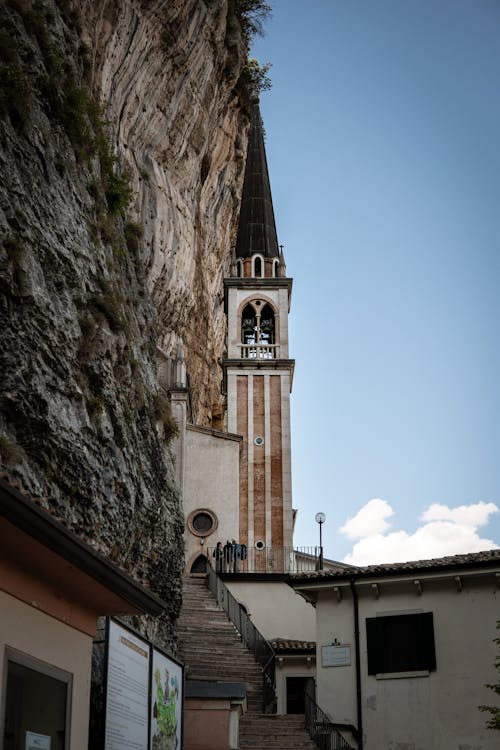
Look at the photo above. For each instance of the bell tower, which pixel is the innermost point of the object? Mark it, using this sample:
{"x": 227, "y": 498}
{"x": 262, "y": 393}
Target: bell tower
{"x": 257, "y": 371}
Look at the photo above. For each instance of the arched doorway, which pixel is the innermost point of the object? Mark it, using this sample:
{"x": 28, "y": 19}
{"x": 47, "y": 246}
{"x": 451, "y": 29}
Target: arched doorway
{"x": 199, "y": 565}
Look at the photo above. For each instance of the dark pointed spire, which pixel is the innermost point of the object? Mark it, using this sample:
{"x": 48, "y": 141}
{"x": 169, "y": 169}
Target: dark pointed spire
{"x": 257, "y": 228}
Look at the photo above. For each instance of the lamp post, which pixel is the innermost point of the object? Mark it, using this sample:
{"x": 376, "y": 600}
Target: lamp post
{"x": 320, "y": 518}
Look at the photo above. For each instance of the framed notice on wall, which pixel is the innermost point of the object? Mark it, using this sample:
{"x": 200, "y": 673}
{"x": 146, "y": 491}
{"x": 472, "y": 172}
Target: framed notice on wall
{"x": 336, "y": 655}
{"x": 36, "y": 741}
{"x": 127, "y": 690}
{"x": 166, "y": 702}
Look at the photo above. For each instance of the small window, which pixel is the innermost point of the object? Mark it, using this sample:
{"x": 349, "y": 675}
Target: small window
{"x": 401, "y": 643}
{"x": 202, "y": 522}
{"x": 257, "y": 266}
{"x": 239, "y": 269}
{"x": 37, "y": 703}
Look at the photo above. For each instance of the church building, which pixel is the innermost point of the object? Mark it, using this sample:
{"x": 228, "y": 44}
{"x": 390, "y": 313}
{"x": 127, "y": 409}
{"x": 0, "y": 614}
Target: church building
{"x": 236, "y": 484}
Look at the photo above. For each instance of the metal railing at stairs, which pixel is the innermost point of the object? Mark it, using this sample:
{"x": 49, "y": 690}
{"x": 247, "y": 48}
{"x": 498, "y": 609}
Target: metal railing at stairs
{"x": 251, "y": 637}
{"x": 324, "y": 732}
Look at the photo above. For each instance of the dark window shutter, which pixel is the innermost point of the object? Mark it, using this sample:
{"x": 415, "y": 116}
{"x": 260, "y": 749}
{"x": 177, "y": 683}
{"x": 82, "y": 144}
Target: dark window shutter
{"x": 400, "y": 643}
{"x": 375, "y": 639}
{"x": 425, "y": 641}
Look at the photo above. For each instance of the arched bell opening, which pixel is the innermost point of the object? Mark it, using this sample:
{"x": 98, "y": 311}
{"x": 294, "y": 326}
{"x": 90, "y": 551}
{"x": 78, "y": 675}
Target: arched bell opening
{"x": 266, "y": 327}
{"x": 249, "y": 327}
{"x": 258, "y": 331}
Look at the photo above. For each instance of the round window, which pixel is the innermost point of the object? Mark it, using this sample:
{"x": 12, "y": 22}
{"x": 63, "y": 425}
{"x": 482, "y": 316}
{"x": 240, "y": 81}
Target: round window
{"x": 259, "y": 440}
{"x": 259, "y": 544}
{"x": 202, "y": 522}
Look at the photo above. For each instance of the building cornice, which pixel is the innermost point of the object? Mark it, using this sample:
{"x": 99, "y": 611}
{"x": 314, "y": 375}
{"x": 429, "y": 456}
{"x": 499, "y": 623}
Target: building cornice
{"x": 215, "y": 433}
{"x": 259, "y": 364}
{"x": 258, "y": 284}
{"x": 453, "y": 570}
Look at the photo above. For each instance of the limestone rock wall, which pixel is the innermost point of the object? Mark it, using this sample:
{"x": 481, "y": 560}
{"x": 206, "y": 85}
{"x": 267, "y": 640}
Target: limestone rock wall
{"x": 168, "y": 71}
{"x": 86, "y": 295}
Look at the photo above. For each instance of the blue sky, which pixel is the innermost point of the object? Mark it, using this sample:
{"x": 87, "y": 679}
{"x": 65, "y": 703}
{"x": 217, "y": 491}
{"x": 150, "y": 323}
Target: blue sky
{"x": 383, "y": 144}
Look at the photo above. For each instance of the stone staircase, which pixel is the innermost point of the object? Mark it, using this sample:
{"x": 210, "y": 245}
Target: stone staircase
{"x": 211, "y": 649}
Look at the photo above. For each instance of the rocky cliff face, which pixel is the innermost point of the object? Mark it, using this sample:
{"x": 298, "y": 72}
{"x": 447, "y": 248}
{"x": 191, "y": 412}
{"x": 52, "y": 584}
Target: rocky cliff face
{"x": 169, "y": 71}
{"x": 96, "y": 271}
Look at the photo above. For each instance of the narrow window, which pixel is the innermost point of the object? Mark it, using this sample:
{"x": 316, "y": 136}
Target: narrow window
{"x": 239, "y": 269}
{"x": 257, "y": 266}
{"x": 267, "y": 326}
{"x": 248, "y": 333}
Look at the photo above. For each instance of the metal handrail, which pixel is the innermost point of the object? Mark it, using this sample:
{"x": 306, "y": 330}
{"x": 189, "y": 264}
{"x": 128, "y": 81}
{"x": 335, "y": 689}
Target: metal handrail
{"x": 251, "y": 637}
{"x": 322, "y": 730}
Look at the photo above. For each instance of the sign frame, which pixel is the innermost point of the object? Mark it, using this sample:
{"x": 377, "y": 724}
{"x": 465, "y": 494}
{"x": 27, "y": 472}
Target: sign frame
{"x": 158, "y": 658}
{"x": 336, "y": 655}
{"x": 134, "y": 640}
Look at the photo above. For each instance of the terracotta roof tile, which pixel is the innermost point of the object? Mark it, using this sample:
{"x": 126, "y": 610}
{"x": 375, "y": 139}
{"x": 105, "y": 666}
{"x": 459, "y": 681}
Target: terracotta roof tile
{"x": 481, "y": 559}
{"x": 286, "y": 644}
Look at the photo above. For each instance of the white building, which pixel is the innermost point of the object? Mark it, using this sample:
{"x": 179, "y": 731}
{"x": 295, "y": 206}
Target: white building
{"x": 404, "y": 651}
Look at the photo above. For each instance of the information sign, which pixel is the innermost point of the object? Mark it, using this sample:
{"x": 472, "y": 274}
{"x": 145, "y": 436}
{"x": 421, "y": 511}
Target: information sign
{"x": 35, "y": 741}
{"x": 166, "y": 699}
{"x": 336, "y": 656}
{"x": 127, "y": 690}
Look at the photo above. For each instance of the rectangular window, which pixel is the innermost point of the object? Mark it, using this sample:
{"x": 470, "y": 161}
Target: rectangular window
{"x": 400, "y": 643}
{"x": 37, "y": 704}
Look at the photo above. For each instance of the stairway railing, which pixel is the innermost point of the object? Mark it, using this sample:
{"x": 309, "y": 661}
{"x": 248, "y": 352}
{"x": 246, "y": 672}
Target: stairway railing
{"x": 324, "y": 732}
{"x": 253, "y": 638}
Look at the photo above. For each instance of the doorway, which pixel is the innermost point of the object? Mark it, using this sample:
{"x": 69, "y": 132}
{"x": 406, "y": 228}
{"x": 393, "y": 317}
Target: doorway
{"x": 296, "y": 688}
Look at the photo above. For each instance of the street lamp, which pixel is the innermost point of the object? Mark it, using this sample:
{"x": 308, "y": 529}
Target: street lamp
{"x": 320, "y": 518}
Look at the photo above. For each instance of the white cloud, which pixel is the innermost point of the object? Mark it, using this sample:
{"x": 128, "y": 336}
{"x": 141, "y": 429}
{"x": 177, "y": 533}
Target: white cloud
{"x": 477, "y": 514}
{"x": 445, "y": 531}
{"x": 369, "y": 521}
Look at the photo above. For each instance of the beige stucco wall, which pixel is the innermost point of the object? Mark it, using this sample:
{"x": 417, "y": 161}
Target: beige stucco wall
{"x": 278, "y": 612}
{"x": 275, "y": 609}
{"x": 211, "y": 481}
{"x": 26, "y": 629}
{"x": 336, "y": 686}
{"x": 290, "y": 667}
{"x": 434, "y": 711}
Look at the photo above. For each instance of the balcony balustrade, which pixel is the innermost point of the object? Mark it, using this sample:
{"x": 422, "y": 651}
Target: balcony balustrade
{"x": 259, "y": 351}
{"x": 265, "y": 560}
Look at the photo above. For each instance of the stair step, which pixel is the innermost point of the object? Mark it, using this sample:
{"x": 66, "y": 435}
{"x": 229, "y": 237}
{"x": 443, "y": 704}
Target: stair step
{"x": 211, "y": 649}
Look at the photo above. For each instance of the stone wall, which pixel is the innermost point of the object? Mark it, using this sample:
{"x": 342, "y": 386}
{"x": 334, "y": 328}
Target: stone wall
{"x": 89, "y": 287}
